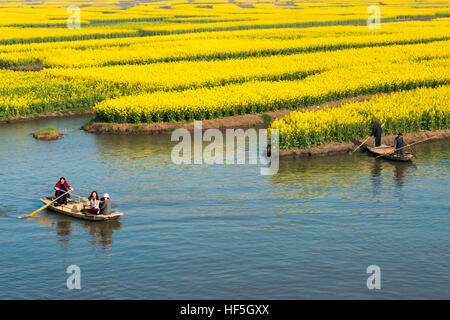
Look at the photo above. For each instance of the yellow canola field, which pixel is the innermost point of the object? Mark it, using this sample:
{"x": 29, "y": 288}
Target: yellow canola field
{"x": 194, "y": 74}
{"x": 12, "y": 35}
{"x": 25, "y": 93}
{"x": 405, "y": 111}
{"x": 262, "y": 96}
{"x": 178, "y": 60}
{"x": 218, "y": 45}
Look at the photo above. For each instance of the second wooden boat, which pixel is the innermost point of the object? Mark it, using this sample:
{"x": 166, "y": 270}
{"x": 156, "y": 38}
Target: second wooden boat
{"x": 383, "y": 149}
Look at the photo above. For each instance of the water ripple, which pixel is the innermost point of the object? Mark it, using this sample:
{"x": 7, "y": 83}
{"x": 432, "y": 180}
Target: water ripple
{"x": 216, "y": 231}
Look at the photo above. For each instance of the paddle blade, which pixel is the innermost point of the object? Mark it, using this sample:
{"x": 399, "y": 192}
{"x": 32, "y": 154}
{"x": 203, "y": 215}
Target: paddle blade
{"x": 33, "y": 213}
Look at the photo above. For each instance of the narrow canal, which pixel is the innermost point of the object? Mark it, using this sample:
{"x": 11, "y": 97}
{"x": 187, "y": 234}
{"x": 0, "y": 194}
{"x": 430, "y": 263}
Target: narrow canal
{"x": 220, "y": 231}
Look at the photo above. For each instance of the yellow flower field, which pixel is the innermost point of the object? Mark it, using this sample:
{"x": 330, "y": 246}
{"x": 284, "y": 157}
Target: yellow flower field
{"x": 196, "y": 74}
{"x": 218, "y": 45}
{"x": 184, "y": 60}
{"x": 262, "y": 96}
{"x": 405, "y": 111}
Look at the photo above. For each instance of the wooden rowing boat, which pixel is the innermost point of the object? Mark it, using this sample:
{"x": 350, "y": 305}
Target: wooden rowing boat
{"x": 73, "y": 209}
{"x": 391, "y": 156}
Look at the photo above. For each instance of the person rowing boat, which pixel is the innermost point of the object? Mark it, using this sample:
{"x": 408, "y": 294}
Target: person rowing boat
{"x": 62, "y": 188}
{"x": 399, "y": 143}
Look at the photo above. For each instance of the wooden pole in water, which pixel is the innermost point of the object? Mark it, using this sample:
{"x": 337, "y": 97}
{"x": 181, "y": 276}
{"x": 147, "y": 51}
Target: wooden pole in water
{"x": 408, "y": 145}
{"x": 365, "y": 141}
{"x": 413, "y": 152}
{"x": 33, "y": 213}
{"x": 354, "y": 150}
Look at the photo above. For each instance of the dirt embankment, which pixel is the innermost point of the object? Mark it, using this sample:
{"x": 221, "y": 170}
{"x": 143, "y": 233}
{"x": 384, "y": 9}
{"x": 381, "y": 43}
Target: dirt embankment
{"x": 24, "y": 68}
{"x": 48, "y": 115}
{"x": 241, "y": 121}
{"x": 344, "y": 147}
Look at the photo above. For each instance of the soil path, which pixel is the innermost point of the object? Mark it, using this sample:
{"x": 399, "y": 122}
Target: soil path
{"x": 241, "y": 121}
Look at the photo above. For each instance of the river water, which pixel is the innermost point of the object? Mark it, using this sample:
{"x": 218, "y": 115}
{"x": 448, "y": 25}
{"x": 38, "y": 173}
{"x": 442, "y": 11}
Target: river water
{"x": 220, "y": 231}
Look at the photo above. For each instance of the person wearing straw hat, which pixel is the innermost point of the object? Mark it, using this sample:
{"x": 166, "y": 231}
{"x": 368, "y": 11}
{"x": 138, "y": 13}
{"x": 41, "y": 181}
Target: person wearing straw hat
{"x": 105, "y": 205}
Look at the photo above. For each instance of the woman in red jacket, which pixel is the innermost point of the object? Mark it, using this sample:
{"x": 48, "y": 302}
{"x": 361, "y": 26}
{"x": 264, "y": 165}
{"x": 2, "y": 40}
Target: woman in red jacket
{"x": 62, "y": 187}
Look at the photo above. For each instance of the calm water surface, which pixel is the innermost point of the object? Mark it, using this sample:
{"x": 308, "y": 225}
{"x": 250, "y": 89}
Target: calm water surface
{"x": 225, "y": 232}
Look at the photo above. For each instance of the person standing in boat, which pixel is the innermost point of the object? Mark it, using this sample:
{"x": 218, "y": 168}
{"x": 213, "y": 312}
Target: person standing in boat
{"x": 399, "y": 142}
{"x": 376, "y": 132}
{"x": 62, "y": 187}
{"x": 105, "y": 205}
{"x": 94, "y": 204}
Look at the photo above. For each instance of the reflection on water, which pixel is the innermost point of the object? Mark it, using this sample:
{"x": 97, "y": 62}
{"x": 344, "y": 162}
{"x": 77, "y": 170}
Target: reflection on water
{"x": 101, "y": 232}
{"x": 401, "y": 171}
{"x": 376, "y": 176}
{"x": 352, "y": 178}
{"x": 220, "y": 231}
{"x": 316, "y": 177}
{"x": 132, "y": 149}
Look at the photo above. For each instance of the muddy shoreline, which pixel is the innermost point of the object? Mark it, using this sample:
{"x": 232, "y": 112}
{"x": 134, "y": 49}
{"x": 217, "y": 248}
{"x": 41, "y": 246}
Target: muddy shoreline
{"x": 345, "y": 147}
{"x": 49, "y": 115}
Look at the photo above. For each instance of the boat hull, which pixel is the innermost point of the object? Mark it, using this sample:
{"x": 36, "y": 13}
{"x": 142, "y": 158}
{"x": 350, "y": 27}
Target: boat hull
{"x": 72, "y": 210}
{"x": 381, "y": 150}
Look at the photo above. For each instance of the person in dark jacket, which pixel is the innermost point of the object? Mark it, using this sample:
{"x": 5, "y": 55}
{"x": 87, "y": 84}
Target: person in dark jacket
{"x": 62, "y": 187}
{"x": 399, "y": 142}
{"x": 105, "y": 205}
{"x": 376, "y": 132}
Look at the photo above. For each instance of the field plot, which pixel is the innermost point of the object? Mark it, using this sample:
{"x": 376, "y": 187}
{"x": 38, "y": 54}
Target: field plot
{"x": 134, "y": 62}
{"x": 405, "y": 111}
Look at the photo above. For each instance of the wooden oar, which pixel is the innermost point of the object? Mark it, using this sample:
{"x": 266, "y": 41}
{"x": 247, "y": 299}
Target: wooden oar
{"x": 408, "y": 145}
{"x": 33, "y": 213}
{"x": 354, "y": 150}
{"x": 82, "y": 198}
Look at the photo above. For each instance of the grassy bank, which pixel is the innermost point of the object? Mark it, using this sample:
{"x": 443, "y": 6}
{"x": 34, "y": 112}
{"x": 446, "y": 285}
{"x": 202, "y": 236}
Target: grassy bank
{"x": 334, "y": 148}
{"x": 408, "y": 111}
{"x": 47, "y": 134}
